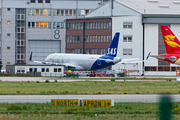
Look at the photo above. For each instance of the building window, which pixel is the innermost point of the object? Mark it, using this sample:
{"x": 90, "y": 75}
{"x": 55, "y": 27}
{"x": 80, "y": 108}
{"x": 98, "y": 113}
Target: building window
{"x": 87, "y": 38}
{"x": 95, "y": 25}
{"x": 59, "y": 69}
{"x": 8, "y": 63}
{"x": 87, "y": 25}
{"x": 55, "y": 69}
{"x": 8, "y": 22}
{"x": 42, "y": 69}
{"x": 33, "y": 24}
{"x": 81, "y": 26}
{"x": 8, "y": 47}
{"x": 33, "y": 1}
{"x": 81, "y": 38}
{"x": 8, "y": 9}
{"x": 75, "y": 26}
{"x": 104, "y": 25}
{"x": 127, "y": 51}
{"x": 47, "y": 1}
{"x": 40, "y": 1}
{"x": 78, "y": 26}
{"x": 110, "y": 38}
{"x": 127, "y": 38}
{"x": 47, "y": 69}
{"x": 70, "y": 12}
{"x": 98, "y": 25}
{"x": 8, "y": 34}
{"x": 127, "y": 24}
{"x": 109, "y": 25}
{"x": 20, "y": 29}
{"x": 101, "y": 25}
{"x": 90, "y": 25}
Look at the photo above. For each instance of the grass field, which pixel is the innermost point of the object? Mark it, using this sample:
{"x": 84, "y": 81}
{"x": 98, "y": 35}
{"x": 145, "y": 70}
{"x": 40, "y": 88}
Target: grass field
{"x": 83, "y": 117}
{"x": 89, "y": 87}
{"x": 124, "y": 111}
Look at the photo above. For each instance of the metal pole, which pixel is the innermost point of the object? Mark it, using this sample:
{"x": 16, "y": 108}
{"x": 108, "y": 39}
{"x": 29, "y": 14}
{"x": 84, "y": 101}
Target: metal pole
{"x": 112, "y": 7}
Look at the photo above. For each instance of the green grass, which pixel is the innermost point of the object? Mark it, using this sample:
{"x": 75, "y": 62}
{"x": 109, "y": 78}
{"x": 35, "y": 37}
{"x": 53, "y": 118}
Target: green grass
{"x": 45, "y": 111}
{"x": 83, "y": 117}
{"x": 125, "y": 111}
{"x": 88, "y": 87}
{"x": 127, "y": 108}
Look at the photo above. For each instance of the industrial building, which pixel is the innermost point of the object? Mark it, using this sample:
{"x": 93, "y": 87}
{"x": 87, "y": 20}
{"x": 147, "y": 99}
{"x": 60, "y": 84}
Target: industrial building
{"x": 138, "y": 23}
{"x": 38, "y": 26}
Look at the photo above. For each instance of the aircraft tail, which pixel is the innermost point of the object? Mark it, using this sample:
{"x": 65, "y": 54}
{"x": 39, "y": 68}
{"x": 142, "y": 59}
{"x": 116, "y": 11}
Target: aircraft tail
{"x": 171, "y": 42}
{"x": 30, "y": 58}
{"x": 112, "y": 50}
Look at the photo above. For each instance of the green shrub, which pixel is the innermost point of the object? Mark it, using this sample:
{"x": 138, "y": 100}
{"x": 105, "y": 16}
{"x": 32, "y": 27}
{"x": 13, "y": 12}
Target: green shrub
{"x": 169, "y": 80}
{"x": 28, "y": 81}
{"x": 55, "y": 80}
{"x": 47, "y": 81}
{"x": 112, "y": 79}
{"x": 99, "y": 92}
{"x": 37, "y": 82}
{"x": 18, "y": 92}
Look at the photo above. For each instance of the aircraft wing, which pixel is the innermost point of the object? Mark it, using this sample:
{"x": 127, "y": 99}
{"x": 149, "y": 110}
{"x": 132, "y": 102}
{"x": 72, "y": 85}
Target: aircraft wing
{"x": 131, "y": 61}
{"x": 73, "y": 66}
{"x": 172, "y": 58}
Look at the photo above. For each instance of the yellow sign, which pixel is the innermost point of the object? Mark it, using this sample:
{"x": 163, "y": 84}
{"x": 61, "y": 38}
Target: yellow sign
{"x": 96, "y": 103}
{"x": 65, "y": 102}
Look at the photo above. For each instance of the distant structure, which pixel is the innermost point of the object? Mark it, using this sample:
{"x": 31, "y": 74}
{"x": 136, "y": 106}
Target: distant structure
{"x": 138, "y": 23}
{"x": 38, "y": 26}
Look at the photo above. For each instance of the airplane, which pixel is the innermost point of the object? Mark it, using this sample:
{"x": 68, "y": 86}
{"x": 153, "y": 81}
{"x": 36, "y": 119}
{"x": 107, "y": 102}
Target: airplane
{"x": 172, "y": 45}
{"x": 86, "y": 62}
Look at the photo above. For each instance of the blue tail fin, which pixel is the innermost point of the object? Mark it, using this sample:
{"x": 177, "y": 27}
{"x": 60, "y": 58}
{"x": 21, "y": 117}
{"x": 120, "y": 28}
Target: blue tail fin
{"x": 30, "y": 58}
{"x": 112, "y": 50}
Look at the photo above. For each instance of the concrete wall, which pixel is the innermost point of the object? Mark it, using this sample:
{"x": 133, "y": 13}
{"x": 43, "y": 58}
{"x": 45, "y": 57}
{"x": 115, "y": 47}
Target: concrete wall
{"x": 151, "y": 43}
{"x": 8, "y": 55}
{"x": 136, "y": 45}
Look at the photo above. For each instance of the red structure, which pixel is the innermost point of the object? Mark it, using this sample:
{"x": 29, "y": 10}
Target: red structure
{"x": 88, "y": 36}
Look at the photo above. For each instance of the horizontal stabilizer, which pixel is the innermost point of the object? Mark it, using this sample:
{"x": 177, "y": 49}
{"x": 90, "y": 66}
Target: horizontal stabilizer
{"x": 163, "y": 57}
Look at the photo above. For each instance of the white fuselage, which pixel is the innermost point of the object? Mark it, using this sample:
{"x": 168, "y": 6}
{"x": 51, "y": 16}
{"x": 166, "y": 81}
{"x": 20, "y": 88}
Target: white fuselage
{"x": 80, "y": 60}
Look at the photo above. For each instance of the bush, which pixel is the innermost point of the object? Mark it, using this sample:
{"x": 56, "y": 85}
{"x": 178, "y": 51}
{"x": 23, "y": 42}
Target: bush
{"x": 28, "y": 81}
{"x": 169, "y": 80}
{"x": 112, "y": 79}
{"x": 37, "y": 82}
{"x": 47, "y": 81}
{"x": 18, "y": 92}
{"x": 55, "y": 80}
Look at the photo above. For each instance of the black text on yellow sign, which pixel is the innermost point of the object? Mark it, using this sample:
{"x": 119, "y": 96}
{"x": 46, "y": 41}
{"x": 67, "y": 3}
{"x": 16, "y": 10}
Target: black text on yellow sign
{"x": 96, "y": 103}
{"x": 65, "y": 102}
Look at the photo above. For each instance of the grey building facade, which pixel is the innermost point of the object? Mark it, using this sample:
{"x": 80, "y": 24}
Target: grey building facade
{"x": 37, "y": 26}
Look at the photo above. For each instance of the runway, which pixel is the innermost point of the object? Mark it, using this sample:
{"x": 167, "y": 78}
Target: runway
{"x": 117, "y": 98}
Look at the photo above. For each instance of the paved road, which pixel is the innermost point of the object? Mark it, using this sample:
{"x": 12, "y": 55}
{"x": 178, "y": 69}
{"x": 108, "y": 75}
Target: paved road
{"x": 117, "y": 98}
{"x": 42, "y": 79}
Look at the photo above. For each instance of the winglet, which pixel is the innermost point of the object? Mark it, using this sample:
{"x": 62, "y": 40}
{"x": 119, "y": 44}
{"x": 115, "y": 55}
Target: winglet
{"x": 30, "y": 58}
{"x": 148, "y": 56}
